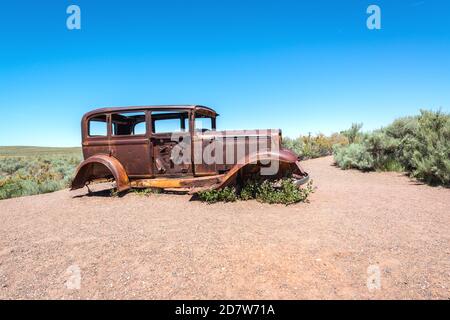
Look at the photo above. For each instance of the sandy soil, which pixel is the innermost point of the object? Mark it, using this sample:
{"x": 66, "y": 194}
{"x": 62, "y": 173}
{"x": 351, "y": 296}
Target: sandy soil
{"x": 168, "y": 247}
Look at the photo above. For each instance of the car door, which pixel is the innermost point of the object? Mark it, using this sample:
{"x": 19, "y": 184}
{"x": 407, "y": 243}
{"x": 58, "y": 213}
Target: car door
{"x": 170, "y": 141}
{"x": 130, "y": 142}
{"x": 205, "y": 145}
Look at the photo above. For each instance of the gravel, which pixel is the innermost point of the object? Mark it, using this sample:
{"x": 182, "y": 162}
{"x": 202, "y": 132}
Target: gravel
{"x": 67, "y": 245}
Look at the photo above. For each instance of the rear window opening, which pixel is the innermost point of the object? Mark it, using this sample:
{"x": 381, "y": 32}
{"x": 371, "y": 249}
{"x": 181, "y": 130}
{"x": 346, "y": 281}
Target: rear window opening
{"x": 98, "y": 126}
{"x": 129, "y": 123}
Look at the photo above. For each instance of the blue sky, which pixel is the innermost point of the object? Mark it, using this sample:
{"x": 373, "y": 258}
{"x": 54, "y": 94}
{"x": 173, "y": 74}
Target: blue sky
{"x": 302, "y": 66}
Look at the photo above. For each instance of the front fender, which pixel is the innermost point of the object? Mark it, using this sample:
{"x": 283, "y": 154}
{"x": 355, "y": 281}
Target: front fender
{"x": 284, "y": 156}
{"x": 101, "y": 166}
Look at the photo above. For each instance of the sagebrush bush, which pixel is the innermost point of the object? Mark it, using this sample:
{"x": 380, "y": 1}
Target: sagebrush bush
{"x": 35, "y": 174}
{"x": 283, "y": 191}
{"x": 354, "y": 133}
{"x": 309, "y": 147}
{"x": 354, "y": 155}
{"x": 417, "y": 145}
{"x": 430, "y": 160}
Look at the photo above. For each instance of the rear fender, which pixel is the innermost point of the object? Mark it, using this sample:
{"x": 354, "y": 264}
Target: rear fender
{"x": 101, "y": 166}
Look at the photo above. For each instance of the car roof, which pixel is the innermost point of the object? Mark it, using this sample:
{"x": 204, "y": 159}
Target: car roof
{"x": 155, "y": 107}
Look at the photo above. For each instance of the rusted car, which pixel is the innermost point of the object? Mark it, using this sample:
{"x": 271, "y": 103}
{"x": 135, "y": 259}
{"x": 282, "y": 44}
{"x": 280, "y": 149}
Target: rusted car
{"x": 177, "y": 148}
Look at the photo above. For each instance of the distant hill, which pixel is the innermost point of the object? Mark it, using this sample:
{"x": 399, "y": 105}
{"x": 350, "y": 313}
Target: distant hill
{"x": 25, "y": 151}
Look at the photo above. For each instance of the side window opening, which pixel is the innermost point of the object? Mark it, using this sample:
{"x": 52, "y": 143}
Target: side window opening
{"x": 128, "y": 123}
{"x": 166, "y": 122}
{"x": 98, "y": 126}
{"x": 140, "y": 128}
{"x": 203, "y": 124}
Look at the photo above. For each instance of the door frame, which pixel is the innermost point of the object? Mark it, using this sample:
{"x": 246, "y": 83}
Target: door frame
{"x": 140, "y": 139}
{"x": 153, "y": 136}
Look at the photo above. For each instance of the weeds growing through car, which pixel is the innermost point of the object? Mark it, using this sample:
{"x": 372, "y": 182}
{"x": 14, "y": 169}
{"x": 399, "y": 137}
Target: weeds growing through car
{"x": 227, "y": 194}
{"x": 114, "y": 193}
{"x": 283, "y": 191}
{"x": 146, "y": 191}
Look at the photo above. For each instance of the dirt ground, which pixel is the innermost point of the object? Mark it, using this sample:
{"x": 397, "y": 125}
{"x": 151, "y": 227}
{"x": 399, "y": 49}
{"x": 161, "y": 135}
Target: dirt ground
{"x": 356, "y": 226}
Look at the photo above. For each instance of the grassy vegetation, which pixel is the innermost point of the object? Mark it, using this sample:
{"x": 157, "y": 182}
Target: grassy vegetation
{"x": 34, "y": 170}
{"x": 282, "y": 191}
{"x": 146, "y": 192}
{"x": 315, "y": 146}
{"x": 417, "y": 145}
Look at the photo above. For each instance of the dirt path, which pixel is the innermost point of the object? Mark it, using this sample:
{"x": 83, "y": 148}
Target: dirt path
{"x": 168, "y": 247}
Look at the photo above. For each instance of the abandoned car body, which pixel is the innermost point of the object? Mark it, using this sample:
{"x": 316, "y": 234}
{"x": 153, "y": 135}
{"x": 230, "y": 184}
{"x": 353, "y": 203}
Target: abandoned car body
{"x": 177, "y": 148}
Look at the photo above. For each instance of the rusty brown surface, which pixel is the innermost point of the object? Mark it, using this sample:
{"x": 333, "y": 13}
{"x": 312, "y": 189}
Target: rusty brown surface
{"x": 101, "y": 166}
{"x": 169, "y": 183}
{"x": 145, "y": 160}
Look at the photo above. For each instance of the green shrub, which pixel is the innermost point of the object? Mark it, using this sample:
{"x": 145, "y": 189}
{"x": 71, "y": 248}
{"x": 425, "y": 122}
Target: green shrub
{"x": 250, "y": 189}
{"x": 418, "y": 145}
{"x": 10, "y": 188}
{"x": 283, "y": 191}
{"x": 35, "y": 173}
{"x": 430, "y": 160}
{"x": 50, "y": 186}
{"x": 287, "y": 193}
{"x": 354, "y": 155}
{"x": 309, "y": 147}
{"x": 295, "y": 145}
{"x": 227, "y": 194}
{"x": 354, "y": 133}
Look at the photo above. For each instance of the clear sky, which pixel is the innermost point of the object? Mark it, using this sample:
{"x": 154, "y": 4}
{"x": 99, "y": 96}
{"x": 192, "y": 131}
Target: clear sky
{"x": 302, "y": 66}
